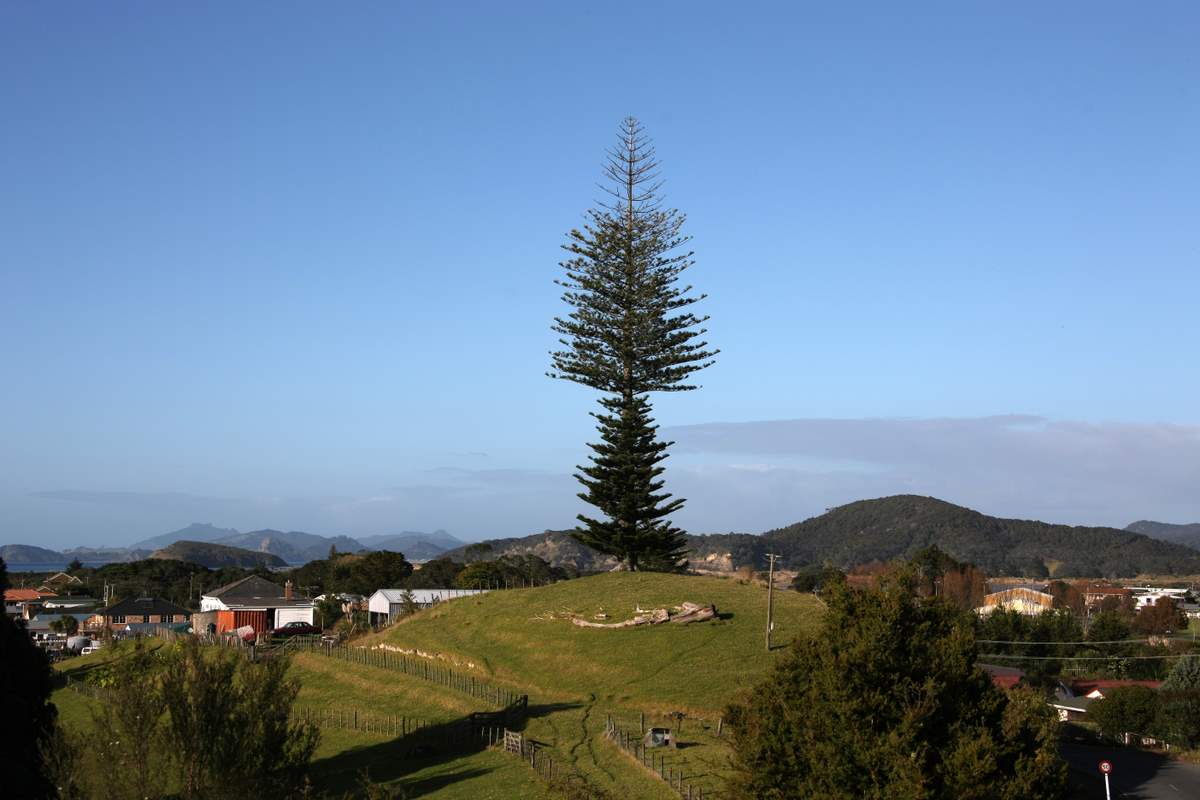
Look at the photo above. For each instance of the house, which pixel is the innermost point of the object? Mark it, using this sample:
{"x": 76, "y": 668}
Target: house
{"x": 1021, "y": 599}
{"x": 1149, "y": 595}
{"x": 1003, "y": 677}
{"x": 1095, "y": 594}
{"x": 388, "y": 604}
{"x": 258, "y": 603}
{"x": 1071, "y": 709}
{"x": 61, "y": 582}
{"x": 152, "y": 611}
{"x": 70, "y": 605}
{"x": 41, "y": 622}
{"x": 24, "y": 603}
{"x": 1096, "y": 689}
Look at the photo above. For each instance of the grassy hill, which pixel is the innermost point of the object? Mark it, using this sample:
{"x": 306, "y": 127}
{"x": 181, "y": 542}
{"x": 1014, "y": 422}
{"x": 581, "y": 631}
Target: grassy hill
{"x": 524, "y": 639}
{"x": 215, "y": 556}
{"x": 896, "y": 527}
{"x": 575, "y": 678}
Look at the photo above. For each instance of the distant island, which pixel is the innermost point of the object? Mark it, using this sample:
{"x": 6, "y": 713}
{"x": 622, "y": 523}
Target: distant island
{"x": 215, "y": 556}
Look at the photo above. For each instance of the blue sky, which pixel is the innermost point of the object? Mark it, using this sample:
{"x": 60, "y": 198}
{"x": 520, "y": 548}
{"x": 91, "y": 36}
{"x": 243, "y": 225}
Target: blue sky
{"x": 291, "y": 266}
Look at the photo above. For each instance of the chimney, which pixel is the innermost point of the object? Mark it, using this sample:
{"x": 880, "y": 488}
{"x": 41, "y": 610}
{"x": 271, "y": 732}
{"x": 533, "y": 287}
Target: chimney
{"x": 287, "y": 590}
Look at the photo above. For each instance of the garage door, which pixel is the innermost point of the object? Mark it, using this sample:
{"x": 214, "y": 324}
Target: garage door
{"x": 285, "y": 615}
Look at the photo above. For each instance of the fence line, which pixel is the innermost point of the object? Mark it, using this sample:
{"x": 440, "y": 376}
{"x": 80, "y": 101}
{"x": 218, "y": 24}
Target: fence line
{"x": 565, "y": 780}
{"x": 416, "y": 667}
{"x": 634, "y": 746}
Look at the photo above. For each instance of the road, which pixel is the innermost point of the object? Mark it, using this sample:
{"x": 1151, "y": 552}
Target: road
{"x": 1136, "y": 775}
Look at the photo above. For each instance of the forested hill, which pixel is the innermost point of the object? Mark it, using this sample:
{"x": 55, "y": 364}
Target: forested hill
{"x": 1168, "y": 532}
{"x": 558, "y": 548}
{"x": 216, "y": 556}
{"x": 895, "y": 527}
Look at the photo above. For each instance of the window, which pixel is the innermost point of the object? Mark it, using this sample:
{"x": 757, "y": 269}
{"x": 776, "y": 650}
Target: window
{"x": 145, "y": 618}
{"x": 168, "y": 618}
{"x": 118, "y": 619}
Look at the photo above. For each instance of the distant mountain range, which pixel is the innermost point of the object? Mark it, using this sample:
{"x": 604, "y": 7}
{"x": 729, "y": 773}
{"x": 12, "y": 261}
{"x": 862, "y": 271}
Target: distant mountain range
{"x": 896, "y": 527}
{"x": 415, "y": 545}
{"x": 856, "y": 533}
{"x": 1180, "y": 534}
{"x": 292, "y": 547}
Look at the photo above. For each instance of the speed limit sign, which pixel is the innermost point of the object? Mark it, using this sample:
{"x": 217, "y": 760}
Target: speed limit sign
{"x": 1106, "y": 767}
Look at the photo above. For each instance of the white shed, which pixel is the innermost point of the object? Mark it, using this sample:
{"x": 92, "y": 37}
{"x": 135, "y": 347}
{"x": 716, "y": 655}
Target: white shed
{"x": 388, "y": 604}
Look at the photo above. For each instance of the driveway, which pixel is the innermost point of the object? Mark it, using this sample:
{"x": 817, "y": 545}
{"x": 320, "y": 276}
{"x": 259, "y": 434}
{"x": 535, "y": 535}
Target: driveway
{"x": 1136, "y": 775}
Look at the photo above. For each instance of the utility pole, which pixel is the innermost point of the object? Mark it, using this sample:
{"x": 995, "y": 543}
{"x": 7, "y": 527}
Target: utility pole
{"x": 770, "y": 598}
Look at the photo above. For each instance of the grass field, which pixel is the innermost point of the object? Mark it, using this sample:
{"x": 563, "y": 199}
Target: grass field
{"x": 576, "y": 678}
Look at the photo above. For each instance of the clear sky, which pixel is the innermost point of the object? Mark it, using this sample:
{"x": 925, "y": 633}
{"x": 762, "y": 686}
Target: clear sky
{"x": 291, "y": 264}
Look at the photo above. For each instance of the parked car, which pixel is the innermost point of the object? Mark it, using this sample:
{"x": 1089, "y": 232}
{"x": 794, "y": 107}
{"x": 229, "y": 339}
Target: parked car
{"x": 296, "y": 629}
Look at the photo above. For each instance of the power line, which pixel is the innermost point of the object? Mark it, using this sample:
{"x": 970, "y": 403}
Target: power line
{"x": 1019, "y": 657}
{"x": 1078, "y": 642}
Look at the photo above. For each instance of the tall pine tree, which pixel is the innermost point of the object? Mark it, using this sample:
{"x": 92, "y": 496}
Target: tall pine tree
{"x": 630, "y": 334}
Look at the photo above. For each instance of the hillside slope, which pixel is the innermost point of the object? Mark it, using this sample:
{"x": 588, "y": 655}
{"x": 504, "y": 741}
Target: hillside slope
{"x": 559, "y": 548}
{"x": 1188, "y": 535}
{"x": 524, "y": 638}
{"x": 215, "y": 556}
{"x": 14, "y": 554}
{"x": 895, "y": 527}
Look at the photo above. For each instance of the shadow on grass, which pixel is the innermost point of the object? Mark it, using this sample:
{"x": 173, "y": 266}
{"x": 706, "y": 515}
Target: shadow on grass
{"x": 393, "y": 760}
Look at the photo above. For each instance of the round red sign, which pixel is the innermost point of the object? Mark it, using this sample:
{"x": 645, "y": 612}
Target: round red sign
{"x": 1106, "y": 767}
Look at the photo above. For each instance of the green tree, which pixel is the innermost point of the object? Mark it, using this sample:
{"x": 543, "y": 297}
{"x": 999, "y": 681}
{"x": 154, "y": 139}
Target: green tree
{"x": 65, "y": 624}
{"x": 440, "y": 573}
{"x": 1178, "y": 718}
{"x": 381, "y": 569}
{"x": 1164, "y": 616}
{"x": 629, "y": 333}
{"x": 1107, "y": 626}
{"x": 127, "y": 728}
{"x": 886, "y": 701}
{"x": 228, "y": 724}
{"x": 25, "y": 708}
{"x": 1125, "y": 709}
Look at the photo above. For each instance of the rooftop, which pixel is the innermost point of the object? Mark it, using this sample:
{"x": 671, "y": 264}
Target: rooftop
{"x": 142, "y": 606}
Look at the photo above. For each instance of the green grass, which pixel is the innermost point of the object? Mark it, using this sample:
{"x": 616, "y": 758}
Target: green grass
{"x": 524, "y": 639}
{"x": 575, "y": 678}
{"x": 343, "y": 755}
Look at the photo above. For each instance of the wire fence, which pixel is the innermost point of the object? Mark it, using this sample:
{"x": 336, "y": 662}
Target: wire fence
{"x": 417, "y": 667}
{"x": 657, "y": 762}
{"x": 563, "y": 777}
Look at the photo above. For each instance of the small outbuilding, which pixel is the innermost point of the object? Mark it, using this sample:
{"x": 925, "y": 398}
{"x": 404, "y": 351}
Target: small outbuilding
{"x": 386, "y": 605}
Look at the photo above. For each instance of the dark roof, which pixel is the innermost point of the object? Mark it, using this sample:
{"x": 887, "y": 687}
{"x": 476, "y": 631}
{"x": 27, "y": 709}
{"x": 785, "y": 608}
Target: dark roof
{"x": 247, "y": 588}
{"x": 142, "y": 605}
{"x": 254, "y": 590}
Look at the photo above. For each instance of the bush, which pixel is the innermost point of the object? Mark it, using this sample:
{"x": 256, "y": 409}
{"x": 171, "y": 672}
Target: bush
{"x": 1126, "y": 709}
{"x": 887, "y": 702}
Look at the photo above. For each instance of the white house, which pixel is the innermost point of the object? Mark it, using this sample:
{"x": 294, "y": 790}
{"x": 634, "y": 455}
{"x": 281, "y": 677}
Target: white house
{"x": 388, "y": 604}
{"x": 1149, "y": 595}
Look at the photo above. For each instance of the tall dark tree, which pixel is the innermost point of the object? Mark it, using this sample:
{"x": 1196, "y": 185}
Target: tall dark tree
{"x": 630, "y": 334}
{"x": 25, "y": 708}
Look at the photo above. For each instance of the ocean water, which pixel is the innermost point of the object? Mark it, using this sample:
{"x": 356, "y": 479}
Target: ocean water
{"x": 52, "y": 566}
